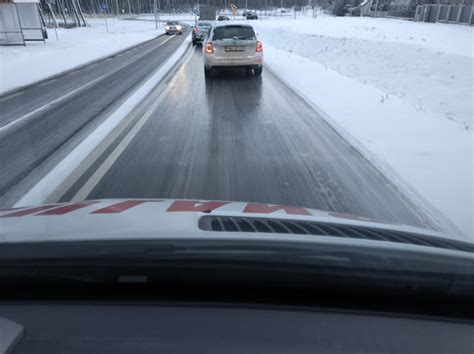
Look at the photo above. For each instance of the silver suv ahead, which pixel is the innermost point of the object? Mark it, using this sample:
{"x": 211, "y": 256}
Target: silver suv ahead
{"x": 232, "y": 45}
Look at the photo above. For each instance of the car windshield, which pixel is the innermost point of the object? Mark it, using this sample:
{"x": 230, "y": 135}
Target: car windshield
{"x": 229, "y": 32}
{"x": 342, "y": 122}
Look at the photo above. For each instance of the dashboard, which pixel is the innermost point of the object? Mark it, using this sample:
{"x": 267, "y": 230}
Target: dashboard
{"x": 149, "y": 327}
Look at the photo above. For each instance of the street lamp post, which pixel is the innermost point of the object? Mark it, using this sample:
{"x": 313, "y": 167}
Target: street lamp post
{"x": 154, "y": 11}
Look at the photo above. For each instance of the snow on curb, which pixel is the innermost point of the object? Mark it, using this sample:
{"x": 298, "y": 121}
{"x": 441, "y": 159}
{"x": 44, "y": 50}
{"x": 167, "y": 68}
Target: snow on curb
{"x": 425, "y": 155}
{"x": 39, "y": 193}
{"x": 75, "y": 48}
{"x": 73, "y": 68}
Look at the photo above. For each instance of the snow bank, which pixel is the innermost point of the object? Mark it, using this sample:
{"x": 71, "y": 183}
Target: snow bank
{"x": 366, "y": 75}
{"x": 20, "y": 66}
{"x": 428, "y": 65}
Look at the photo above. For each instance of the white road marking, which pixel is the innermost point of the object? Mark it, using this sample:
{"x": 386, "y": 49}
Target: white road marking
{"x": 27, "y": 116}
{"x": 58, "y": 175}
{"x": 102, "y": 170}
{"x": 87, "y": 188}
{"x": 13, "y": 95}
{"x": 23, "y": 119}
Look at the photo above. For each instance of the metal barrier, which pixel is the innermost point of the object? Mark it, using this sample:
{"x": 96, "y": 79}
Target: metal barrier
{"x": 445, "y": 13}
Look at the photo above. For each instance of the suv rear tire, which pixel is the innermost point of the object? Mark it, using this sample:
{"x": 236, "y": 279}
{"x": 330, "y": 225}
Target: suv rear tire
{"x": 258, "y": 71}
{"x": 207, "y": 72}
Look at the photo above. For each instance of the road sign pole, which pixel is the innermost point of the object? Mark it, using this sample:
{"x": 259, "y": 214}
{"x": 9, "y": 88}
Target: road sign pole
{"x": 105, "y": 12}
{"x": 156, "y": 17}
{"x": 159, "y": 9}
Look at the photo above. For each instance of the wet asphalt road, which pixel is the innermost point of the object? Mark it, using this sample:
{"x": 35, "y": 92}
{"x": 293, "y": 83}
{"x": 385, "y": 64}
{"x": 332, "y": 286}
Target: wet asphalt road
{"x": 234, "y": 137}
{"x": 31, "y": 148}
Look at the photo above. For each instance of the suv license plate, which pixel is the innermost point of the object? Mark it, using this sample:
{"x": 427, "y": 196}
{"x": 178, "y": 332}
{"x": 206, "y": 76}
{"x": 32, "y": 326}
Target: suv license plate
{"x": 234, "y": 48}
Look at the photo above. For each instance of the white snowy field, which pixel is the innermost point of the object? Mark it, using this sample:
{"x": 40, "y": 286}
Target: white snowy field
{"x": 401, "y": 92}
{"x": 184, "y": 17}
{"x": 20, "y": 65}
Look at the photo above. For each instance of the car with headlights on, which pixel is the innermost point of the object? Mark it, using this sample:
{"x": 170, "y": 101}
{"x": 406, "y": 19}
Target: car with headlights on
{"x": 231, "y": 45}
{"x": 173, "y": 27}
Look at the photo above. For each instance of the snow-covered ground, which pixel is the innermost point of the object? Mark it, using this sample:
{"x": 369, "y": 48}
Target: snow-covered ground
{"x": 184, "y": 17}
{"x": 20, "y": 66}
{"x": 401, "y": 91}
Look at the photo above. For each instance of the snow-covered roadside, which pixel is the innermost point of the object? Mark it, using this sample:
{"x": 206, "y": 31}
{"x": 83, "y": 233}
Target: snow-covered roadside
{"x": 21, "y": 66}
{"x": 414, "y": 143}
{"x": 428, "y": 65}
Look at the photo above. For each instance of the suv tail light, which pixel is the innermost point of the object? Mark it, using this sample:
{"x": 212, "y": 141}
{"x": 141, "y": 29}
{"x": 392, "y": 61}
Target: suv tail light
{"x": 209, "y": 48}
{"x": 196, "y": 30}
{"x": 259, "y": 47}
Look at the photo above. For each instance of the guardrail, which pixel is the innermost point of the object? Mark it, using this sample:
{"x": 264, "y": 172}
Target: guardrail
{"x": 445, "y": 13}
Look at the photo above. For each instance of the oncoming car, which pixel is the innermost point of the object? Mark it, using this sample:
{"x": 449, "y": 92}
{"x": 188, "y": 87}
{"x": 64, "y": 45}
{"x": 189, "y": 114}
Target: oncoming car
{"x": 232, "y": 46}
{"x": 173, "y": 27}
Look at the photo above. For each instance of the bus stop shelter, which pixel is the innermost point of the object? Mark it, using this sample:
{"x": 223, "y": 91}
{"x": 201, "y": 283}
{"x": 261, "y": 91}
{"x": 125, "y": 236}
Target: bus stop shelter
{"x": 20, "y": 21}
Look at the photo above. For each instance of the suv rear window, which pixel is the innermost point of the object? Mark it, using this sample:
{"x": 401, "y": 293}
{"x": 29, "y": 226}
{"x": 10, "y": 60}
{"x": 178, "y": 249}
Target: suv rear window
{"x": 172, "y": 23}
{"x": 229, "y": 32}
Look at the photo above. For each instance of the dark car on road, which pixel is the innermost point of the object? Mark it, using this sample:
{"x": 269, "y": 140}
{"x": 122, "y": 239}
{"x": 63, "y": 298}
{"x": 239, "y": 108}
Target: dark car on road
{"x": 223, "y": 18}
{"x": 199, "y": 31}
{"x": 249, "y": 15}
